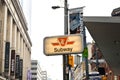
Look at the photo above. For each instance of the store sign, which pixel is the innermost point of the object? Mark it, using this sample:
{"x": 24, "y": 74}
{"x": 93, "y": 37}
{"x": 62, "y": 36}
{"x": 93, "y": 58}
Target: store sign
{"x": 67, "y": 44}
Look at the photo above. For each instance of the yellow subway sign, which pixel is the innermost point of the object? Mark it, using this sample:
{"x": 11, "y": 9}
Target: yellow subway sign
{"x": 67, "y": 44}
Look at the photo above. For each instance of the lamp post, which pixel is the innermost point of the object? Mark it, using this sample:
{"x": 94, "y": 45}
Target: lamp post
{"x": 65, "y": 56}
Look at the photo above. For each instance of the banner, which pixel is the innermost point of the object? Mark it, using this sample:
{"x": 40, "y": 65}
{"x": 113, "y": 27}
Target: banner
{"x": 29, "y": 74}
{"x": 7, "y": 52}
{"x": 17, "y": 63}
{"x": 21, "y": 69}
{"x": 75, "y": 20}
{"x": 12, "y": 69}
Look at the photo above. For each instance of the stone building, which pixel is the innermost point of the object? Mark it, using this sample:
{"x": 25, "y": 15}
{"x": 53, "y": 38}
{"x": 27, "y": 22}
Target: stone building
{"x": 15, "y": 43}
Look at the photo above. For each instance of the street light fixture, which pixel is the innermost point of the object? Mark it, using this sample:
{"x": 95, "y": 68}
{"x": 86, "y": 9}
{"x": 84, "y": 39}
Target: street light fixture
{"x": 55, "y": 7}
{"x": 65, "y": 57}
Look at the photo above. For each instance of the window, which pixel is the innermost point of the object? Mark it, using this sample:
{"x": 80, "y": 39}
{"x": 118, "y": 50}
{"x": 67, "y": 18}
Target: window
{"x": 34, "y": 63}
{"x": 34, "y": 78}
{"x": 33, "y": 68}
{"x": 34, "y": 73}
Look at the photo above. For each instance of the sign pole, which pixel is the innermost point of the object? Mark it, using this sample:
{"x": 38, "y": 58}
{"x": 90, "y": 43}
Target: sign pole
{"x": 65, "y": 56}
{"x": 85, "y": 53}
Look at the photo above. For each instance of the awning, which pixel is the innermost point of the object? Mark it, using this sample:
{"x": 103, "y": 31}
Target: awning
{"x": 106, "y": 33}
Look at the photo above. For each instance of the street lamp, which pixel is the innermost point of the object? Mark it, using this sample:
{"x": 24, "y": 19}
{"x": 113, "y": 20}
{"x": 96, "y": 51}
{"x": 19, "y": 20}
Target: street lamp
{"x": 65, "y": 56}
{"x": 55, "y": 7}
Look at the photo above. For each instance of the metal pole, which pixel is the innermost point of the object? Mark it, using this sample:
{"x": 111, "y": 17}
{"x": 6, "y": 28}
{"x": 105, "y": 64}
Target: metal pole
{"x": 65, "y": 57}
{"x": 86, "y": 58}
{"x": 97, "y": 63}
{"x": 65, "y": 17}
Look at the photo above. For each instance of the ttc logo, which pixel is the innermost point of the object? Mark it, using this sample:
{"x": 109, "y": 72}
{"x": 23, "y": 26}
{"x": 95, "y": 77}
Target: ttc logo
{"x": 62, "y": 42}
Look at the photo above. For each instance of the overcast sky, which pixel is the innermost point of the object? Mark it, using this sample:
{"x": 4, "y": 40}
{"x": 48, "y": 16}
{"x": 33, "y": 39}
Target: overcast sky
{"x": 49, "y": 22}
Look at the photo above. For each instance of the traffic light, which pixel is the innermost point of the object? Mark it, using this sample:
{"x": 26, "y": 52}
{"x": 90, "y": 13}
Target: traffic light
{"x": 71, "y": 60}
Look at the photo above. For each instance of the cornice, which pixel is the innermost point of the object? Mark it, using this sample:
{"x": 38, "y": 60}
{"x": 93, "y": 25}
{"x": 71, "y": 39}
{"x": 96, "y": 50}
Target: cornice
{"x": 20, "y": 13}
{"x": 21, "y": 16}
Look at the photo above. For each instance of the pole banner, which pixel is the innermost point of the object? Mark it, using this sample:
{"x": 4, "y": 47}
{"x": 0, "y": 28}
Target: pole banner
{"x": 7, "y": 54}
{"x": 29, "y": 74}
{"x": 20, "y": 68}
{"x": 12, "y": 69}
{"x": 17, "y": 66}
{"x": 75, "y": 20}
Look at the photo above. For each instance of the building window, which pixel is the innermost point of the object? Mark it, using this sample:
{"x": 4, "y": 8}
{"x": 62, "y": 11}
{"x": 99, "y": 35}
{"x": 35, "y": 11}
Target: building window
{"x": 34, "y": 78}
{"x": 34, "y": 63}
{"x": 34, "y": 73}
{"x": 33, "y": 68}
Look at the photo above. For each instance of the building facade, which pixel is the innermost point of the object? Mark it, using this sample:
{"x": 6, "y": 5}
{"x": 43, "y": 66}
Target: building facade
{"x": 15, "y": 43}
{"x": 98, "y": 63}
{"x": 36, "y": 71}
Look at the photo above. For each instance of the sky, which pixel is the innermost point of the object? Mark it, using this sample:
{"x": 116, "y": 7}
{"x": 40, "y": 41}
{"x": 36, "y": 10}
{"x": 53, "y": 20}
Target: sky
{"x": 48, "y": 22}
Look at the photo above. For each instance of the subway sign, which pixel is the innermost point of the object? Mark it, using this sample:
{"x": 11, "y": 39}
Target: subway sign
{"x": 67, "y": 44}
